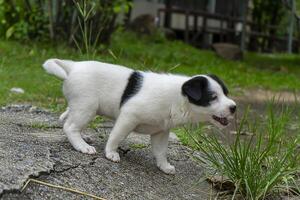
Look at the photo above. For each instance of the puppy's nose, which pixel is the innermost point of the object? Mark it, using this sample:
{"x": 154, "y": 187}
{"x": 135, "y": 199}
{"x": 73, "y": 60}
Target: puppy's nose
{"x": 232, "y": 109}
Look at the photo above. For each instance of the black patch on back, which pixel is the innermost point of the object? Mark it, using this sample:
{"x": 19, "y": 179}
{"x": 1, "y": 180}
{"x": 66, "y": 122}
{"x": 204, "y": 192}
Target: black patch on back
{"x": 134, "y": 84}
{"x": 221, "y": 83}
{"x": 197, "y": 91}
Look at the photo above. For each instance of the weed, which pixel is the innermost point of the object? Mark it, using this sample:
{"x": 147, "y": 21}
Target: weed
{"x": 85, "y": 10}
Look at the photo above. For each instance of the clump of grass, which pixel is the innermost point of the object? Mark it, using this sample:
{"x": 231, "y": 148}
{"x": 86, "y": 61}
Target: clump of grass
{"x": 137, "y": 146}
{"x": 261, "y": 166}
{"x": 96, "y": 122}
{"x": 42, "y": 126}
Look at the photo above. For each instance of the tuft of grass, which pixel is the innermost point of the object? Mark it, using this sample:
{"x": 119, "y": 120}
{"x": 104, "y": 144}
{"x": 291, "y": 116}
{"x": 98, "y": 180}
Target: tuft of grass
{"x": 265, "y": 164}
{"x": 96, "y": 122}
{"x": 137, "y": 146}
{"x": 42, "y": 126}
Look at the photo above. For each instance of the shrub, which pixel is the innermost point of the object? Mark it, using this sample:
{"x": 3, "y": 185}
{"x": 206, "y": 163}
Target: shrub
{"x": 20, "y": 20}
{"x": 59, "y": 19}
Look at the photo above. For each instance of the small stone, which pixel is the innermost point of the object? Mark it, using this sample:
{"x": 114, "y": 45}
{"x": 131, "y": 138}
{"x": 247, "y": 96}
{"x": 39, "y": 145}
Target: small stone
{"x": 228, "y": 51}
{"x": 17, "y": 90}
{"x": 37, "y": 110}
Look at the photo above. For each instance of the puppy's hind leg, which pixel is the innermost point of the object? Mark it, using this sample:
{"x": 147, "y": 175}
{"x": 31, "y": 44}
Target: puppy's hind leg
{"x": 77, "y": 119}
{"x": 123, "y": 126}
{"x": 159, "y": 142}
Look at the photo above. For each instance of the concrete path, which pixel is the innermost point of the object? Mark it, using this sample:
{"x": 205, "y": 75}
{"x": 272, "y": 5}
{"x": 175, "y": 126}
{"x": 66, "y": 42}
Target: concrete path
{"x": 32, "y": 145}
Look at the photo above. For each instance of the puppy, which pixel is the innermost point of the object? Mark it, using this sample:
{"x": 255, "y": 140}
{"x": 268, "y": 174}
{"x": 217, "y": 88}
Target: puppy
{"x": 143, "y": 102}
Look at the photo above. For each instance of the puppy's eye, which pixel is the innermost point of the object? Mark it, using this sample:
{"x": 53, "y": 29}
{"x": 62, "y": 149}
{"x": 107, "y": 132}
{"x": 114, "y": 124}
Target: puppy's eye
{"x": 214, "y": 97}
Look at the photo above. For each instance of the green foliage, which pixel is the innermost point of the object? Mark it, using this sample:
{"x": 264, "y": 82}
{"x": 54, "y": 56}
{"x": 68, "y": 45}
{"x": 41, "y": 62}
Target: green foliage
{"x": 265, "y": 163}
{"x": 60, "y": 19}
{"x": 91, "y": 32}
{"x": 269, "y": 18}
{"x": 267, "y": 12}
{"x": 297, "y": 6}
{"x": 23, "y": 21}
{"x": 96, "y": 22}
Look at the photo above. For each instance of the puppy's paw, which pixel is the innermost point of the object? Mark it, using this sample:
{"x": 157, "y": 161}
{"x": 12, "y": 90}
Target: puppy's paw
{"x": 113, "y": 156}
{"x": 85, "y": 148}
{"x": 167, "y": 168}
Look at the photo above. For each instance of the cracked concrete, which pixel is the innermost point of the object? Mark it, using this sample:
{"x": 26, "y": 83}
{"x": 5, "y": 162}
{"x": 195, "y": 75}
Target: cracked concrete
{"x": 28, "y": 150}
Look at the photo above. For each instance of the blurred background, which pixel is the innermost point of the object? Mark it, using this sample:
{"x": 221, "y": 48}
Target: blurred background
{"x": 252, "y": 44}
{"x": 255, "y": 25}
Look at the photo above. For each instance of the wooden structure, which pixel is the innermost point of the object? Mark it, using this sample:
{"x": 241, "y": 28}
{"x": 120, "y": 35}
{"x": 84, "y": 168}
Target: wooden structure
{"x": 229, "y": 22}
{"x": 218, "y": 20}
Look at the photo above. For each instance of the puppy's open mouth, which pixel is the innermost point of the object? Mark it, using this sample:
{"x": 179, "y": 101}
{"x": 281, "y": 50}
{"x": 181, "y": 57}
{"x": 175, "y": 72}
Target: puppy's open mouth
{"x": 222, "y": 120}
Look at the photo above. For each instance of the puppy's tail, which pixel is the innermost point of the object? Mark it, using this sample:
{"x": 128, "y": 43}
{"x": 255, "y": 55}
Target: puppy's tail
{"x": 59, "y": 68}
{"x": 64, "y": 116}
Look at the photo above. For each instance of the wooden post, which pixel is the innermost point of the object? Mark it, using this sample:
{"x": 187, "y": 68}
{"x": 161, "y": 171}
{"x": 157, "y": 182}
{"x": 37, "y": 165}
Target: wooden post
{"x": 222, "y": 31}
{"x": 51, "y": 24}
{"x": 204, "y": 38}
{"x": 128, "y": 15}
{"x": 167, "y": 22}
{"x": 187, "y": 29}
{"x": 211, "y": 8}
{"x": 244, "y": 29}
{"x": 195, "y": 23}
{"x": 291, "y": 27}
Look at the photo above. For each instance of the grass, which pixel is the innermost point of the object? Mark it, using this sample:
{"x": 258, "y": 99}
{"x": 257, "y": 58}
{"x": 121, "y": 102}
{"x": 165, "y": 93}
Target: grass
{"x": 20, "y": 66}
{"x": 137, "y": 146}
{"x": 95, "y": 123}
{"x": 258, "y": 167}
{"x": 41, "y": 126}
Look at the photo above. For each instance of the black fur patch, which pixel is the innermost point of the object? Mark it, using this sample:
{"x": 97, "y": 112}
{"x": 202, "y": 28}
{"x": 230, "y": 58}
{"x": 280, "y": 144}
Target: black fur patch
{"x": 134, "y": 84}
{"x": 221, "y": 83}
{"x": 197, "y": 92}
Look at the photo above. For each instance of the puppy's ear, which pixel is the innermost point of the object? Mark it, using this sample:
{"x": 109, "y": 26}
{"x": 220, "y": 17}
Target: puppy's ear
{"x": 220, "y": 82}
{"x": 193, "y": 88}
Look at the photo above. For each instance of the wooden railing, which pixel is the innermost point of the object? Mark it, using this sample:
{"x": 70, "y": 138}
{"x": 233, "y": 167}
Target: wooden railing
{"x": 192, "y": 33}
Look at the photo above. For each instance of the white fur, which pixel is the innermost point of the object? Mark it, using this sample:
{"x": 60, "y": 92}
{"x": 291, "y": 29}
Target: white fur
{"x": 94, "y": 88}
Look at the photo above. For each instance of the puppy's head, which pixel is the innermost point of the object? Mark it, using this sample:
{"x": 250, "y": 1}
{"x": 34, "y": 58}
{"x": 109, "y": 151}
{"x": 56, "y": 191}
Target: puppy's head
{"x": 207, "y": 95}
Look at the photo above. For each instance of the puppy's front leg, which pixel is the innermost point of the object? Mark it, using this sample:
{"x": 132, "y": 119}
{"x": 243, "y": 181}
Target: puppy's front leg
{"x": 123, "y": 126}
{"x": 159, "y": 142}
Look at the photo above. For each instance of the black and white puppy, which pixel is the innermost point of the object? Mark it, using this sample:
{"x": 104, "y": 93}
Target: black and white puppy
{"x": 142, "y": 102}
